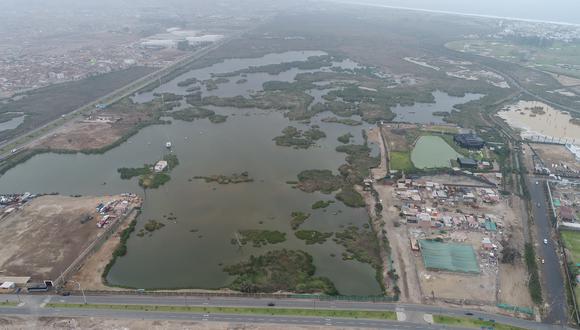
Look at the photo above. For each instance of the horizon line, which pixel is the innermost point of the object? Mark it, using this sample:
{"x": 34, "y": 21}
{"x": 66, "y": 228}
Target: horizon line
{"x": 530, "y": 20}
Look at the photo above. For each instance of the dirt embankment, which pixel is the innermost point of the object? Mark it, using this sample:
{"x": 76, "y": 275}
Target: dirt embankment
{"x": 401, "y": 256}
{"x": 90, "y": 273}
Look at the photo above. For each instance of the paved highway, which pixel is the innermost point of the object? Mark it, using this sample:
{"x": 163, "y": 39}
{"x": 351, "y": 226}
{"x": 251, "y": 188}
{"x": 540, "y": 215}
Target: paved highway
{"x": 32, "y": 306}
{"x": 552, "y": 280}
{"x": 235, "y": 318}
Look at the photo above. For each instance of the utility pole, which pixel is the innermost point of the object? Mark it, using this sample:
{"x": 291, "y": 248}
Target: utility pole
{"x": 82, "y": 291}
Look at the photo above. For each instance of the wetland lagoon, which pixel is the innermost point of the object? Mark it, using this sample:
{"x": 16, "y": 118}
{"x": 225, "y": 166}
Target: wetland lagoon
{"x": 202, "y": 219}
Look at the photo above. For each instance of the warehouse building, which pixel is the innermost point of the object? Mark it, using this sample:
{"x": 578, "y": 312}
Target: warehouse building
{"x": 469, "y": 141}
{"x": 466, "y": 162}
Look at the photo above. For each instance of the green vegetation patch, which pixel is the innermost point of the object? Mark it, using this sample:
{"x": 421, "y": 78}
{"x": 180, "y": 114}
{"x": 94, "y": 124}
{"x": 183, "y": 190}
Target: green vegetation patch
{"x": 534, "y": 277}
{"x": 322, "y": 204}
{"x": 312, "y": 236}
{"x": 298, "y": 219}
{"x": 319, "y": 180}
{"x": 148, "y": 178}
{"x": 227, "y": 179}
{"x": 471, "y": 323}
{"x": 339, "y": 313}
{"x": 359, "y": 162}
{"x": 217, "y": 119}
{"x": 279, "y": 270}
{"x": 312, "y": 63}
{"x": 121, "y": 248}
{"x": 401, "y": 161}
{"x": 153, "y": 225}
{"x": 193, "y": 113}
{"x": 293, "y": 137}
{"x": 571, "y": 241}
{"x": 350, "y": 197}
{"x": 295, "y": 103}
{"x": 154, "y": 180}
{"x": 187, "y": 82}
{"x": 259, "y": 238}
{"x": 344, "y": 121}
{"x": 128, "y": 173}
{"x": 361, "y": 245}
{"x": 169, "y": 97}
{"x": 150, "y": 227}
{"x": 345, "y": 138}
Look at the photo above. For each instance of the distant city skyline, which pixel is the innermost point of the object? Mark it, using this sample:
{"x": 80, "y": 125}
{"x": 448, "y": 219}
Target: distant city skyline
{"x": 561, "y": 11}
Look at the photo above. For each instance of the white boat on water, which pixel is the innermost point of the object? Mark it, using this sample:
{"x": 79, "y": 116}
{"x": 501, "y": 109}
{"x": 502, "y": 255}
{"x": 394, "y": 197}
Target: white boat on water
{"x": 168, "y": 144}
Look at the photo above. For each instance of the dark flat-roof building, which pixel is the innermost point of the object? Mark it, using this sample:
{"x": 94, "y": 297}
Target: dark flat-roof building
{"x": 566, "y": 213}
{"x": 469, "y": 141}
{"x": 466, "y": 162}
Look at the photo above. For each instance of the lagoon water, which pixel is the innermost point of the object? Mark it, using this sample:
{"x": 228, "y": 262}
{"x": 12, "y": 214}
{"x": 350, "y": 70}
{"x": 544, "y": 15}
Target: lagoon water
{"x": 191, "y": 251}
{"x": 422, "y": 113}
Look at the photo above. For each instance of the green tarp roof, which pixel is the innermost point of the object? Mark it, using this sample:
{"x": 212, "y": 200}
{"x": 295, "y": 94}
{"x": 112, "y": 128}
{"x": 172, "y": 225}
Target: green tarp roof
{"x": 449, "y": 256}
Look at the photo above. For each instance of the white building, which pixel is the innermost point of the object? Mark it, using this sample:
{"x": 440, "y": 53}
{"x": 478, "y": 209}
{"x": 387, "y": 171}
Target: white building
{"x": 575, "y": 150}
{"x": 160, "y": 166}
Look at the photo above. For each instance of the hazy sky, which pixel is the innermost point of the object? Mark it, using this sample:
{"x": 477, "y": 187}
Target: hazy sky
{"x": 547, "y": 10}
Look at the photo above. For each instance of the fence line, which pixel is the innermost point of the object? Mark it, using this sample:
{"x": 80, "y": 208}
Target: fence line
{"x": 95, "y": 245}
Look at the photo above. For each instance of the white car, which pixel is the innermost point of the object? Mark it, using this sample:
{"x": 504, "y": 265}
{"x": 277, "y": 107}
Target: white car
{"x": 543, "y": 261}
{"x": 537, "y": 182}
{"x": 545, "y": 241}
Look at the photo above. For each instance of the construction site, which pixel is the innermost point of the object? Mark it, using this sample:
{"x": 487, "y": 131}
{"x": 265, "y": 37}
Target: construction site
{"x": 47, "y": 238}
{"x": 455, "y": 238}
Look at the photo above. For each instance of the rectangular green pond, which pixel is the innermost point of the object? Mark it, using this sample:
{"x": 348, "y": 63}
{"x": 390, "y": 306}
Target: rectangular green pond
{"x": 432, "y": 152}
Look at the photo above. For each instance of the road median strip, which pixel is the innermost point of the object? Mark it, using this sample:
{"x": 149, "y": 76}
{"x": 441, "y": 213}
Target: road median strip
{"x": 384, "y": 315}
{"x": 472, "y": 323}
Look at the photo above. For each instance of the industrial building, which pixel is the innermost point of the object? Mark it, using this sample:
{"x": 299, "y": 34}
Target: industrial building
{"x": 469, "y": 141}
{"x": 466, "y": 162}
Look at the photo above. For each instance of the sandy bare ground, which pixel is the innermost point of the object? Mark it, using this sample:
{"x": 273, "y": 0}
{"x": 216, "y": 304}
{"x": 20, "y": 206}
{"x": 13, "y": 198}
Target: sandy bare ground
{"x": 556, "y": 154}
{"x": 90, "y": 272}
{"x": 102, "y": 323}
{"x": 566, "y": 80}
{"x": 480, "y": 288}
{"x": 78, "y": 135}
{"x": 401, "y": 257}
{"x": 374, "y": 136}
{"x": 46, "y": 235}
{"x": 401, "y": 254}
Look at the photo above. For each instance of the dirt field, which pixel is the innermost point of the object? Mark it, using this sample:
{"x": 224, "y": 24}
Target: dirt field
{"x": 565, "y": 80}
{"x": 78, "y": 136}
{"x": 102, "y": 323}
{"x": 374, "y": 136}
{"x": 82, "y": 135}
{"x": 555, "y": 154}
{"x": 395, "y": 136}
{"x": 90, "y": 272}
{"x": 46, "y": 235}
